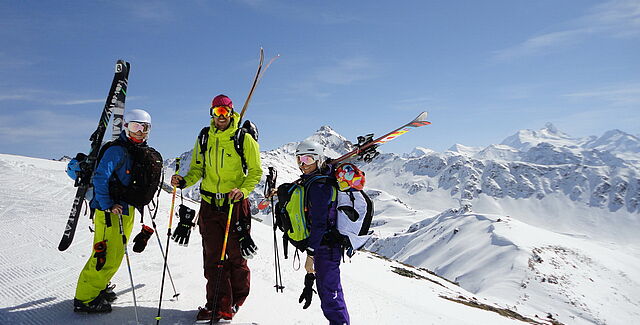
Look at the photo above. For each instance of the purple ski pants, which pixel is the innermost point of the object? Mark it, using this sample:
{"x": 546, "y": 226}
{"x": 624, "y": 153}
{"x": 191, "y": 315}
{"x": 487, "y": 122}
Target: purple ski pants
{"x": 327, "y": 267}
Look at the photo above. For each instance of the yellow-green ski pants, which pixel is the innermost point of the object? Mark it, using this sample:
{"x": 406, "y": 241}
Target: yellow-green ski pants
{"x": 91, "y": 281}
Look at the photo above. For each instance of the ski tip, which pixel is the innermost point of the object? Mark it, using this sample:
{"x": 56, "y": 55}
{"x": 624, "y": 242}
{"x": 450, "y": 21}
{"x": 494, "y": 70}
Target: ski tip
{"x": 422, "y": 117}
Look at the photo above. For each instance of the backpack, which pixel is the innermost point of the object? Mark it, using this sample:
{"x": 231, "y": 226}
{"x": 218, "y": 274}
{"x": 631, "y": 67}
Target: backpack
{"x": 353, "y": 205}
{"x": 290, "y": 211}
{"x": 146, "y": 171}
{"x": 355, "y": 208}
{"x": 238, "y": 141}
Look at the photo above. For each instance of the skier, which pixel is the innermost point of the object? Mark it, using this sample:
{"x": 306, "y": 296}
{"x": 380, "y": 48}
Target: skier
{"x": 224, "y": 180}
{"x": 94, "y": 293}
{"x": 324, "y": 251}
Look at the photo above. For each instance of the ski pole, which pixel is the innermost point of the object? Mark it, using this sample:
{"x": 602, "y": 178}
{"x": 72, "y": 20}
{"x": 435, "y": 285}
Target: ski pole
{"x": 126, "y": 253}
{"x": 269, "y": 186}
{"x": 221, "y": 262}
{"x": 155, "y": 230}
{"x": 166, "y": 254}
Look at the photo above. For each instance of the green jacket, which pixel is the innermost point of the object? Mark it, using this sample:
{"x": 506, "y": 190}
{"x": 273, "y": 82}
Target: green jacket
{"x": 223, "y": 171}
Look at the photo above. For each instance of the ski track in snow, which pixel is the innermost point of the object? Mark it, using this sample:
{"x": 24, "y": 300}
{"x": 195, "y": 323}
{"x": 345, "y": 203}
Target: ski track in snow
{"x": 38, "y": 282}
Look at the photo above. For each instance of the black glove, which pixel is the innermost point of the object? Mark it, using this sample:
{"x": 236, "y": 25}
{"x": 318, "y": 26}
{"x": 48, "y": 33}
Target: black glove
{"x": 182, "y": 183}
{"x": 140, "y": 242}
{"x": 183, "y": 229}
{"x": 248, "y": 247}
{"x": 101, "y": 254}
{"x": 307, "y": 292}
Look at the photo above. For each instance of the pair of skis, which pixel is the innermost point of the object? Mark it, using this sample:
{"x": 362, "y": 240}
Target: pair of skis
{"x": 256, "y": 80}
{"x": 114, "y": 105}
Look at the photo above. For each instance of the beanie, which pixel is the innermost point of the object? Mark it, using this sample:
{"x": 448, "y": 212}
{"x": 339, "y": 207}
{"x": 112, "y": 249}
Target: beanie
{"x": 222, "y": 100}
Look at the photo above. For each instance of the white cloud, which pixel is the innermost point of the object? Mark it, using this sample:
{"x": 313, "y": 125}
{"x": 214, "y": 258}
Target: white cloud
{"x": 311, "y": 12}
{"x": 623, "y": 95}
{"x": 42, "y": 126}
{"x": 151, "y": 10}
{"x": 50, "y": 97}
{"x": 343, "y": 72}
{"x": 540, "y": 44}
{"x": 80, "y": 101}
{"x": 617, "y": 18}
{"x": 346, "y": 71}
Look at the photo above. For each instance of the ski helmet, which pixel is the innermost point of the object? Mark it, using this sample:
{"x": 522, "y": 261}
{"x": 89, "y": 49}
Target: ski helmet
{"x": 309, "y": 147}
{"x": 137, "y": 115}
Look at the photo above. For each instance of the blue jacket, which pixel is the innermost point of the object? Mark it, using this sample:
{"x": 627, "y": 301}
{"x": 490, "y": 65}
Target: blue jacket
{"x": 321, "y": 209}
{"x": 115, "y": 161}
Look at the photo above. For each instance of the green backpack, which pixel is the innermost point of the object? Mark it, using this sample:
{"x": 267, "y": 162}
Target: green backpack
{"x": 291, "y": 209}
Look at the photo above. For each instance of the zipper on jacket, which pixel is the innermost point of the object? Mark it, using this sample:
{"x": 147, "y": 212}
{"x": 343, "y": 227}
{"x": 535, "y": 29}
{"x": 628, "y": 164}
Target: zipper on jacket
{"x": 222, "y": 159}
{"x": 216, "y": 165}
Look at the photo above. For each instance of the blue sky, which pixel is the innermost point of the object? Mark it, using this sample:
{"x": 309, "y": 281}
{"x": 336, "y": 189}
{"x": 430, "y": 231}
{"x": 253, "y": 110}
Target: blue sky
{"x": 483, "y": 69}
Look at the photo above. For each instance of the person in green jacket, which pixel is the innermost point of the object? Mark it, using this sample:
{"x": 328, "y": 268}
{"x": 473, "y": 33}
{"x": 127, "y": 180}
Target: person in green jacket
{"x": 224, "y": 180}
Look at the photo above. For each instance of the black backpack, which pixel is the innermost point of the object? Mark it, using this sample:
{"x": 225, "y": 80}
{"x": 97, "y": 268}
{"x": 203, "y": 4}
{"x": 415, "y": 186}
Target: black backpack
{"x": 238, "y": 140}
{"x": 146, "y": 171}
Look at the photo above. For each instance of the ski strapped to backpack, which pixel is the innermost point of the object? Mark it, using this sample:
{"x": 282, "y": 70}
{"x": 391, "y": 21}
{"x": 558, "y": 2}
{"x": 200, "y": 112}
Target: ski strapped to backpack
{"x": 87, "y": 163}
{"x": 367, "y": 145}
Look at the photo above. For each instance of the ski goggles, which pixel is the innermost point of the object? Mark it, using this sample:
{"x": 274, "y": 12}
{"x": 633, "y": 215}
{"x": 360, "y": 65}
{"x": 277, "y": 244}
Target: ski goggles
{"x": 139, "y": 126}
{"x": 306, "y": 160}
{"x": 221, "y": 111}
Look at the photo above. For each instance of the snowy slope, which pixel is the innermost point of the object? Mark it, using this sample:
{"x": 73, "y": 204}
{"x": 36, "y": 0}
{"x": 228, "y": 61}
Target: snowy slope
{"x": 38, "y": 281}
{"x": 536, "y": 271}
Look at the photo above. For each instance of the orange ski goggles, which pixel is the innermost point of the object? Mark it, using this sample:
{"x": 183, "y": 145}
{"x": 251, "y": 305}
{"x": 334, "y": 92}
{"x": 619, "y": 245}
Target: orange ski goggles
{"x": 221, "y": 111}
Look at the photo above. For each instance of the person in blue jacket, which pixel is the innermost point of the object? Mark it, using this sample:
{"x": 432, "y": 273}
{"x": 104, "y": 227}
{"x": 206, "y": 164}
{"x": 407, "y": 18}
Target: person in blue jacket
{"x": 94, "y": 293}
{"x": 323, "y": 253}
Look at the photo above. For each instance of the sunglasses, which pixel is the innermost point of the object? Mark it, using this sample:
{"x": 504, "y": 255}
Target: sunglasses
{"x": 138, "y": 126}
{"x": 221, "y": 111}
{"x": 306, "y": 160}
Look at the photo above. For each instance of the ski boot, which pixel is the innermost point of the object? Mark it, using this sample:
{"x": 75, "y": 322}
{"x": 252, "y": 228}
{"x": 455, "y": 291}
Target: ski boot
{"x": 204, "y": 315}
{"x": 98, "y": 305}
{"x": 108, "y": 294}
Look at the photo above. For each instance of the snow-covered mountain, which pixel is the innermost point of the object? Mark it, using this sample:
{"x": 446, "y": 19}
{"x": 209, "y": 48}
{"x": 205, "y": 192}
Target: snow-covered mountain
{"x": 539, "y": 222}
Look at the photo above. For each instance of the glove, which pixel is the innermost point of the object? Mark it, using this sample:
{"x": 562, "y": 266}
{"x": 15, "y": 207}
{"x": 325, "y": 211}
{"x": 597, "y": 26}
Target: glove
{"x": 248, "y": 247}
{"x": 101, "y": 254}
{"x": 183, "y": 229}
{"x": 140, "y": 242}
{"x": 307, "y": 292}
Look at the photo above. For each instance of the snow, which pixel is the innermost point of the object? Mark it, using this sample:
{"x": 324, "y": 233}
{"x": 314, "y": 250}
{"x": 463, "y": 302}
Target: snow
{"x": 38, "y": 282}
{"x": 543, "y": 224}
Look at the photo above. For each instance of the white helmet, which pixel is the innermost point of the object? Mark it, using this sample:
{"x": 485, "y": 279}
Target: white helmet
{"x": 309, "y": 147}
{"x": 137, "y": 115}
